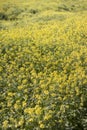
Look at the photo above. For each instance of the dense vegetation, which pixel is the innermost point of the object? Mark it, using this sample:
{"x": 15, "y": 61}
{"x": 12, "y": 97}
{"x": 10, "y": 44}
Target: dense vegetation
{"x": 43, "y": 65}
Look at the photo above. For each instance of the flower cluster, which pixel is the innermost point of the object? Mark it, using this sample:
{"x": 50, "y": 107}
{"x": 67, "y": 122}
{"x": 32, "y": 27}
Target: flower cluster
{"x": 43, "y": 76}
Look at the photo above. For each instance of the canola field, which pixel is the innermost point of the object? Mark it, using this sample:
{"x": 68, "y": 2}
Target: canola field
{"x": 43, "y": 65}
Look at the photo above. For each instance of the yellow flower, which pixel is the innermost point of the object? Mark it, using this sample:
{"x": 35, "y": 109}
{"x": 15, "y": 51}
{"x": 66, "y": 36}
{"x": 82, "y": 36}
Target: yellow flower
{"x": 23, "y": 103}
{"x": 77, "y": 90}
{"x": 16, "y": 106}
{"x": 38, "y": 110}
{"x": 46, "y": 92}
{"x": 41, "y": 124}
{"x": 47, "y": 116}
{"x": 31, "y": 120}
{"x": 53, "y": 94}
{"x": 5, "y": 124}
{"x": 24, "y": 81}
{"x": 60, "y": 98}
{"x": 22, "y": 68}
{"x": 61, "y": 120}
{"x": 29, "y": 110}
{"x": 20, "y": 123}
{"x": 20, "y": 87}
{"x": 11, "y": 94}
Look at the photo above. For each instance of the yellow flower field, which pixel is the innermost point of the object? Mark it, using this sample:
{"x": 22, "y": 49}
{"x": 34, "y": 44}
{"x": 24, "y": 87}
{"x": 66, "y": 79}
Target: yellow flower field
{"x": 43, "y": 75}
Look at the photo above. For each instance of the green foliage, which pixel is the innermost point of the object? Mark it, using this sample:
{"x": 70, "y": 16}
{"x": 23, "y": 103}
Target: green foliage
{"x": 3, "y": 16}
